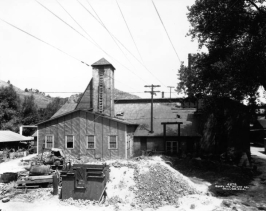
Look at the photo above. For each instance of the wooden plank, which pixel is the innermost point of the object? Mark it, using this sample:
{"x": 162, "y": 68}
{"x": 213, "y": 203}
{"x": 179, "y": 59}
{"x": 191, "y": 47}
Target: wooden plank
{"x": 114, "y": 154}
{"x": 41, "y": 137}
{"x": 76, "y": 130}
{"x": 61, "y": 133}
{"x": 37, "y": 181}
{"x": 53, "y": 129}
{"x": 90, "y": 124}
{"x": 99, "y": 137}
{"x": 68, "y": 129}
{"x": 91, "y": 153}
{"x": 106, "y": 132}
{"x": 83, "y": 141}
{"x": 113, "y": 127}
{"x": 121, "y": 140}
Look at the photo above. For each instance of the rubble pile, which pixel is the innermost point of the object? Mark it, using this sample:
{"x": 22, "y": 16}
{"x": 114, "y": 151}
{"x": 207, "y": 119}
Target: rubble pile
{"x": 36, "y": 194}
{"x": 78, "y": 202}
{"x": 157, "y": 185}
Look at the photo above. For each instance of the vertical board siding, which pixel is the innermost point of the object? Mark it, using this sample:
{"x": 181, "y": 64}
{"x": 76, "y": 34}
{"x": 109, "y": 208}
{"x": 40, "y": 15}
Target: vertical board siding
{"x": 121, "y": 140}
{"x": 61, "y": 133}
{"x": 68, "y": 130}
{"x": 76, "y": 131}
{"x": 90, "y": 124}
{"x": 91, "y": 153}
{"x": 53, "y": 129}
{"x": 106, "y": 132}
{"x": 113, "y": 127}
{"x": 41, "y": 137}
{"x": 83, "y": 143}
{"x": 98, "y": 134}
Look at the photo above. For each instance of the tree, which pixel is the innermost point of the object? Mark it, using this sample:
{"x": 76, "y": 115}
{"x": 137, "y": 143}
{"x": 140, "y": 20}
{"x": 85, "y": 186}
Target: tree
{"x": 233, "y": 31}
{"x": 29, "y": 114}
{"x": 9, "y": 109}
{"x": 51, "y": 108}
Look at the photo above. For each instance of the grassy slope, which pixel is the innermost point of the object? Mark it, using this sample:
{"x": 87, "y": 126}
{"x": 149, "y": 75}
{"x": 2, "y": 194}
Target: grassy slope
{"x": 41, "y": 101}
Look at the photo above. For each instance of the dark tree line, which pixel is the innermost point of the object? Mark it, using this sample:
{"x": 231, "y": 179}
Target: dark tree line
{"x": 14, "y": 112}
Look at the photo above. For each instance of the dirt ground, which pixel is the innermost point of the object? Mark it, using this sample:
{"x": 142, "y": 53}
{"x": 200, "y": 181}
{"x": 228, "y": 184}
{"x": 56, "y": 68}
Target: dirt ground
{"x": 198, "y": 188}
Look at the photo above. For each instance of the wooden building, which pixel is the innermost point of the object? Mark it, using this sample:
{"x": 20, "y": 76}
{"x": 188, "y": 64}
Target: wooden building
{"x": 100, "y": 126}
{"x": 90, "y": 128}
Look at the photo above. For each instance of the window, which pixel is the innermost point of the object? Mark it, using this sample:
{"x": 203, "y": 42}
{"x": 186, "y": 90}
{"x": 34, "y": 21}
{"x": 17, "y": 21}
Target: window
{"x": 90, "y": 142}
{"x": 49, "y": 141}
{"x": 112, "y": 142}
{"x": 70, "y": 142}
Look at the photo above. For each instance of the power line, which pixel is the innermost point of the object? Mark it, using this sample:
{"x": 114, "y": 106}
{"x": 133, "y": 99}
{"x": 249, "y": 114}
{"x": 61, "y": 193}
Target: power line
{"x": 43, "y": 41}
{"x": 121, "y": 43}
{"x": 129, "y": 30}
{"x": 106, "y": 30}
{"x": 88, "y": 39}
{"x": 166, "y": 31}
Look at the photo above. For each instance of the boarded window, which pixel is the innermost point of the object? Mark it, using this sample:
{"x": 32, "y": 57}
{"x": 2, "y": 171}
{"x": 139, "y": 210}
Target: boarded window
{"x": 91, "y": 142}
{"x": 49, "y": 141}
{"x": 112, "y": 142}
{"x": 69, "y": 141}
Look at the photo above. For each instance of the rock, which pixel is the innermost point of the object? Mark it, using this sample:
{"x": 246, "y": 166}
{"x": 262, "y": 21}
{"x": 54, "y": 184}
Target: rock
{"x": 227, "y": 203}
{"x": 192, "y": 206}
{"x": 4, "y": 200}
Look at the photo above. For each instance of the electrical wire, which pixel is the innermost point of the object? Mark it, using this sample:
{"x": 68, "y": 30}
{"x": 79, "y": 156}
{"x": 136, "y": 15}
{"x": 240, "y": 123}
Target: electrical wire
{"x": 166, "y": 31}
{"x": 89, "y": 40}
{"x": 129, "y": 30}
{"x": 121, "y": 43}
{"x": 43, "y": 41}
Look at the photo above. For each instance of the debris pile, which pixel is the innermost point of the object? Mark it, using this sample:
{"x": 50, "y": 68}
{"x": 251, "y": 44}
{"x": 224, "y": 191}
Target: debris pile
{"x": 157, "y": 185}
{"x": 78, "y": 202}
{"x": 35, "y": 194}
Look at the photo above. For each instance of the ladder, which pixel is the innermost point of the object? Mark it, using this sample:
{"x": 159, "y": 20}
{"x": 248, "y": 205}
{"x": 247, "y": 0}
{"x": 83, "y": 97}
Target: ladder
{"x": 100, "y": 98}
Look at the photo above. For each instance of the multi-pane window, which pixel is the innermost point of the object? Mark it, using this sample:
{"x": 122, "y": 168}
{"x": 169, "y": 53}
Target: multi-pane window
{"x": 112, "y": 142}
{"x": 91, "y": 142}
{"x": 69, "y": 141}
{"x": 49, "y": 141}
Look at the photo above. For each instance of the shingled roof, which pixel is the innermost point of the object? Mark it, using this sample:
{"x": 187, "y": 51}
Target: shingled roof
{"x": 140, "y": 114}
{"x": 102, "y": 62}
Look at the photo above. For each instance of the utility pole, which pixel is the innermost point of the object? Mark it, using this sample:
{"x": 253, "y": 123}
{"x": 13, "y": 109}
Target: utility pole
{"x": 170, "y": 89}
{"x": 152, "y": 93}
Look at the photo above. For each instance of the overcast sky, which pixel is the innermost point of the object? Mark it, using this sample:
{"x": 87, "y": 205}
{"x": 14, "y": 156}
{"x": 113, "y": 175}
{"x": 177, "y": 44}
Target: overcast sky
{"x": 29, "y": 63}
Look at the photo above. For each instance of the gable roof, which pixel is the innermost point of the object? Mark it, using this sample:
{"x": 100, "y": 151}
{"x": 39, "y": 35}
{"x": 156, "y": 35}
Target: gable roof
{"x": 87, "y": 111}
{"x": 140, "y": 114}
{"x": 9, "y": 136}
{"x": 85, "y": 102}
{"x": 67, "y": 107}
{"x": 102, "y": 62}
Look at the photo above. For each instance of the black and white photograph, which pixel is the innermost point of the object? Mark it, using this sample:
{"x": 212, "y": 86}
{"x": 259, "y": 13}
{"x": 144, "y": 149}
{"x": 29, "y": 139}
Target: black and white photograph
{"x": 133, "y": 105}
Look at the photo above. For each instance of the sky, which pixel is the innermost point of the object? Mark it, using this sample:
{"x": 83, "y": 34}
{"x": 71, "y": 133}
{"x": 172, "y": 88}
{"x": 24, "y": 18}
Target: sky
{"x": 77, "y": 31}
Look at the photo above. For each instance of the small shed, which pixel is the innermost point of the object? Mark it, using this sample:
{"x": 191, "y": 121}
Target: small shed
{"x": 9, "y": 139}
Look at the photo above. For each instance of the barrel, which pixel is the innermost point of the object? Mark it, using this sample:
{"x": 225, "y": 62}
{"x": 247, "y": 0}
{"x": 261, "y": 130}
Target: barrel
{"x": 9, "y": 176}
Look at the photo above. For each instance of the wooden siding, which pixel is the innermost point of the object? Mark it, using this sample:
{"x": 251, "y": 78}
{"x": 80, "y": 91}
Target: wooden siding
{"x": 80, "y": 124}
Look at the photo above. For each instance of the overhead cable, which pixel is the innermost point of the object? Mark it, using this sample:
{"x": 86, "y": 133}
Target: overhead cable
{"x": 44, "y": 42}
{"x": 129, "y": 30}
{"x": 166, "y": 31}
{"x": 88, "y": 39}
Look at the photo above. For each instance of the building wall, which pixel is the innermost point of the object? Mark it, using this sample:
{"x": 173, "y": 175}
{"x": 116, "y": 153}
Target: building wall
{"x": 80, "y": 124}
{"x": 185, "y": 144}
{"x": 108, "y": 89}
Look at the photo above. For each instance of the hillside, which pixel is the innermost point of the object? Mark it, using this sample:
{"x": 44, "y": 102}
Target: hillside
{"x": 41, "y": 100}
